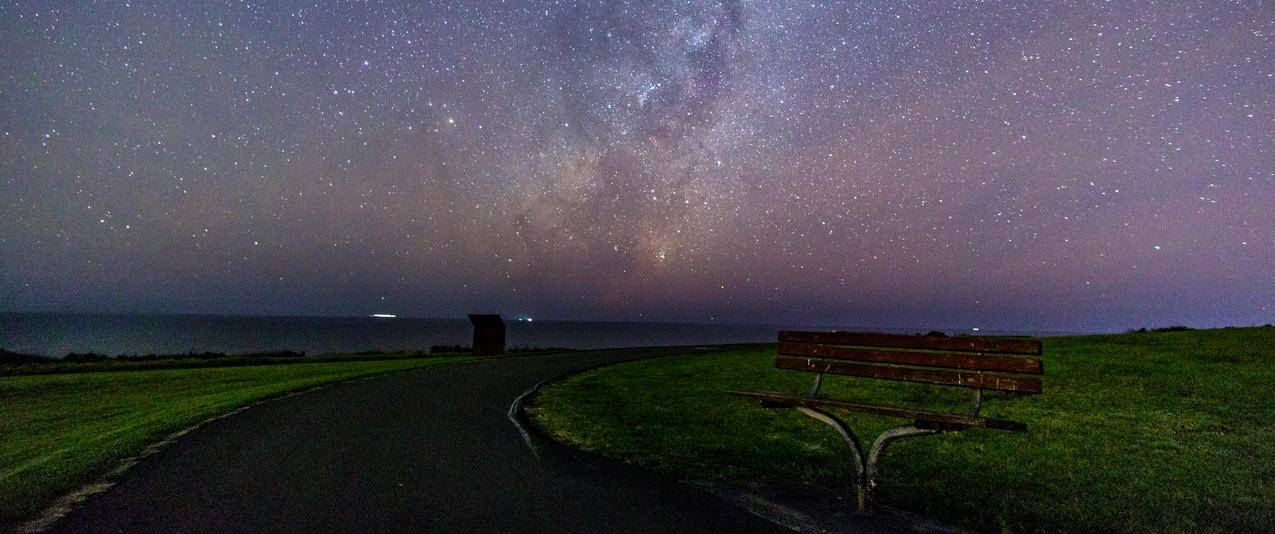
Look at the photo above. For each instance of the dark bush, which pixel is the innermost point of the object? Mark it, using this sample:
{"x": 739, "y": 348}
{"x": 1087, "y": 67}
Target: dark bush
{"x": 1175, "y": 328}
{"x": 151, "y": 357}
{"x": 8, "y": 357}
{"x": 936, "y": 333}
{"x": 85, "y": 357}
{"x": 449, "y": 348}
{"x": 399, "y": 354}
{"x": 93, "y": 357}
{"x": 279, "y": 354}
{"x": 533, "y": 348}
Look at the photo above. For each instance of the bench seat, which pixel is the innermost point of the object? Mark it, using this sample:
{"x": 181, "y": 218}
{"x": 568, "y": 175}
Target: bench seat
{"x": 939, "y": 421}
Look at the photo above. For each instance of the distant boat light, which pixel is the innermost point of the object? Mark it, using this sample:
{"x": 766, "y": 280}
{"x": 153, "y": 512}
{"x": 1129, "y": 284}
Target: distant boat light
{"x": 384, "y": 315}
{"x": 974, "y": 329}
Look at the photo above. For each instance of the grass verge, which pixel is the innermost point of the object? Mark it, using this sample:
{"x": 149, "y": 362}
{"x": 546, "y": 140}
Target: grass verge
{"x": 58, "y": 431}
{"x": 1171, "y": 431}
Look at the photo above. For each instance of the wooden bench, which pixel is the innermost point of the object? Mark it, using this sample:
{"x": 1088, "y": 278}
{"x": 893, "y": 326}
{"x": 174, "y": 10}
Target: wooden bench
{"x": 979, "y": 363}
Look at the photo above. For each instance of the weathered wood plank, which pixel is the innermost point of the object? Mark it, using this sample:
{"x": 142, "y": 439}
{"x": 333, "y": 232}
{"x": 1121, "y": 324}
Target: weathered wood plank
{"x": 958, "y": 360}
{"x": 946, "y": 377}
{"x": 968, "y": 344}
{"x": 949, "y": 421}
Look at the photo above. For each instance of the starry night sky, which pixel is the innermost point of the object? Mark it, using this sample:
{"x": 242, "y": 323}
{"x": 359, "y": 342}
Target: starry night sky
{"x": 1063, "y": 165}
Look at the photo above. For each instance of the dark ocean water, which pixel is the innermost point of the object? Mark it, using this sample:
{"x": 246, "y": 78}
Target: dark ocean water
{"x": 59, "y": 334}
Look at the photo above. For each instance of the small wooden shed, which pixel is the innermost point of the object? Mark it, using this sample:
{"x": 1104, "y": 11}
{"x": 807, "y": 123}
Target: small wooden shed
{"x": 489, "y": 334}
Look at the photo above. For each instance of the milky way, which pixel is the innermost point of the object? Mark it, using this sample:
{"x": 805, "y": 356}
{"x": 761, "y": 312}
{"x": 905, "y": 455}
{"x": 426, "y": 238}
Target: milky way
{"x": 1037, "y": 165}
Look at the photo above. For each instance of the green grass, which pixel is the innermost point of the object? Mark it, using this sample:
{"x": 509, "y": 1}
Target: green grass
{"x": 1148, "y": 432}
{"x": 58, "y": 431}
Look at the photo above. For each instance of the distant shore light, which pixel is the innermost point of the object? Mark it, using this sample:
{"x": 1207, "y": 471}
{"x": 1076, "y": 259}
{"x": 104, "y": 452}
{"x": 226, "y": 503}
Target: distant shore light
{"x": 384, "y": 315}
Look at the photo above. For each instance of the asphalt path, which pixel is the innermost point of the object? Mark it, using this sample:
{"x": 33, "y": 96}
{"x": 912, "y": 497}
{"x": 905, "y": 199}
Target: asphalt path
{"x": 432, "y": 449}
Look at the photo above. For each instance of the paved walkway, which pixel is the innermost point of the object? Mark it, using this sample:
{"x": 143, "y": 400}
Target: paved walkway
{"x": 432, "y": 449}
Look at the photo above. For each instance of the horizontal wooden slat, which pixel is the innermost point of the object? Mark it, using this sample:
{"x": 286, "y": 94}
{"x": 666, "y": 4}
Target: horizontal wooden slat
{"x": 960, "y": 343}
{"x": 959, "y": 360}
{"x": 946, "y": 377}
{"x": 948, "y": 420}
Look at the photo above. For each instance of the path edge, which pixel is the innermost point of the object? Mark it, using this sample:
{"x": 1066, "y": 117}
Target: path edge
{"x": 755, "y": 505}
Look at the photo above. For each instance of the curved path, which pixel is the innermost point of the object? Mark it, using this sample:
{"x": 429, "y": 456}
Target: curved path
{"x": 432, "y": 449}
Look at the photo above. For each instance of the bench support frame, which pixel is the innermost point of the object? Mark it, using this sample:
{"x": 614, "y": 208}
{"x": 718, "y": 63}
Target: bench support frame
{"x": 865, "y": 469}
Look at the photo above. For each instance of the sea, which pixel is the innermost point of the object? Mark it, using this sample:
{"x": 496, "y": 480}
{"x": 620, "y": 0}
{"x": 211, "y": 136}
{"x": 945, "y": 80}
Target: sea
{"x": 57, "y": 334}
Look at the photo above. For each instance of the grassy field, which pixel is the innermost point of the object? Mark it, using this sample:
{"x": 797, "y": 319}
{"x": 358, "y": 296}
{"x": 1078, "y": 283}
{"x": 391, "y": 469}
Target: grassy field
{"x": 1149, "y": 432}
{"x": 58, "y": 431}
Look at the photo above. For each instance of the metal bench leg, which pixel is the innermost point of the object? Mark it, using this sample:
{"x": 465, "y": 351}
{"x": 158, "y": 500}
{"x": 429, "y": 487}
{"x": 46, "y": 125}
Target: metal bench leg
{"x": 847, "y": 435}
{"x": 865, "y": 472}
{"x": 878, "y": 448}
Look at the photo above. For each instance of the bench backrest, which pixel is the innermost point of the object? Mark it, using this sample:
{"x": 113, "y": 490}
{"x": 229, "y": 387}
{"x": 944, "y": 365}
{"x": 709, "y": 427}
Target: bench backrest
{"x": 1004, "y": 364}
